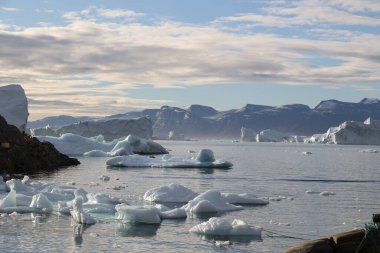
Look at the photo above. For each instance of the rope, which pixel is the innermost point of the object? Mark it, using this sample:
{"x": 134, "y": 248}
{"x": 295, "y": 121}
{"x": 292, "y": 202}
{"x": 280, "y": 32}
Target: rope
{"x": 283, "y": 234}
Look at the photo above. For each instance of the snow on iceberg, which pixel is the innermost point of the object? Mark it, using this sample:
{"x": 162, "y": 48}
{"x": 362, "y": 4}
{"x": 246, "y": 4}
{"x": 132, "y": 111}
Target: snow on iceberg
{"x": 170, "y": 193}
{"x": 210, "y": 201}
{"x": 42, "y": 202}
{"x": 351, "y": 133}
{"x": 72, "y": 144}
{"x": 224, "y": 227}
{"x": 204, "y": 159}
{"x": 14, "y": 105}
{"x": 138, "y": 214}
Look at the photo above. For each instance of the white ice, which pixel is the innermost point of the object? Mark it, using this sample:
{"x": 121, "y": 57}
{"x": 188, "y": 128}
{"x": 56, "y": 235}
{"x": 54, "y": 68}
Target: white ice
{"x": 224, "y": 227}
{"x": 40, "y": 201}
{"x": 369, "y": 151}
{"x": 138, "y": 214}
{"x": 14, "y": 105}
{"x": 204, "y": 159}
{"x": 176, "y": 213}
{"x": 78, "y": 215}
{"x": 209, "y": 202}
{"x": 243, "y": 199}
{"x": 170, "y": 193}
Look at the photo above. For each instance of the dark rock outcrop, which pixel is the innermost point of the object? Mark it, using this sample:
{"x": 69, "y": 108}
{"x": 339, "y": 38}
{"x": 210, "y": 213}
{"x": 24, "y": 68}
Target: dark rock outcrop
{"x": 20, "y": 153}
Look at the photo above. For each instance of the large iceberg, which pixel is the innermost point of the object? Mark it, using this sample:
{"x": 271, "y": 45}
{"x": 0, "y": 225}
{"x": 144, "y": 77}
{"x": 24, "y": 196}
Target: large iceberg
{"x": 14, "y": 105}
{"x": 74, "y": 144}
{"x": 351, "y": 133}
{"x": 270, "y": 135}
{"x": 204, "y": 159}
{"x": 248, "y": 135}
{"x": 111, "y": 129}
{"x": 224, "y": 227}
{"x": 170, "y": 193}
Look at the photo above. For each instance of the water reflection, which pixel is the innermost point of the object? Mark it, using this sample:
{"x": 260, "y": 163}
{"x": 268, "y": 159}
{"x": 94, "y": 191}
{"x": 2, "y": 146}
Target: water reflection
{"x": 244, "y": 239}
{"x": 140, "y": 230}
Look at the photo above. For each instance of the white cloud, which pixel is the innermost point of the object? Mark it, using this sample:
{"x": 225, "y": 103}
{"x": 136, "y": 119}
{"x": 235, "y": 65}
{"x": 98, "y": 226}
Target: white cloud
{"x": 8, "y": 9}
{"x": 91, "y": 62}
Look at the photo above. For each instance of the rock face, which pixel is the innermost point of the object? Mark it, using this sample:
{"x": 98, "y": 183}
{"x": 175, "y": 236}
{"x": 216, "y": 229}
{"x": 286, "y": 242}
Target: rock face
{"x": 20, "y": 153}
{"x": 351, "y": 133}
{"x": 14, "y": 105}
{"x": 111, "y": 129}
{"x": 55, "y": 122}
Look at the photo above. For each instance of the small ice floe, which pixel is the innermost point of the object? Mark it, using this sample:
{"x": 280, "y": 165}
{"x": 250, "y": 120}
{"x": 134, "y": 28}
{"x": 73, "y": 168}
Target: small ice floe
{"x": 138, "y": 214}
{"x": 210, "y": 201}
{"x": 104, "y": 178}
{"x": 369, "y": 151}
{"x": 306, "y": 153}
{"x": 224, "y": 227}
{"x": 279, "y": 198}
{"x": 118, "y": 187}
{"x": 327, "y": 193}
{"x": 40, "y": 201}
{"x": 243, "y": 199}
{"x": 177, "y": 213}
{"x": 204, "y": 159}
{"x": 312, "y": 192}
{"x": 278, "y": 223}
{"x": 78, "y": 215}
{"x": 170, "y": 193}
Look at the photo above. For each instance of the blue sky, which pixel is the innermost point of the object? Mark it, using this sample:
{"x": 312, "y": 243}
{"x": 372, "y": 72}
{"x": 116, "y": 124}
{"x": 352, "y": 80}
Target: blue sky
{"x": 108, "y": 57}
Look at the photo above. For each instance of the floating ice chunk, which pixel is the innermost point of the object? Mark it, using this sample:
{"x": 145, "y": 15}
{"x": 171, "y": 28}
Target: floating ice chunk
{"x": 369, "y": 151}
{"x": 312, "y": 192}
{"x": 63, "y": 207}
{"x": 96, "y": 153}
{"x": 161, "y": 208}
{"x": 170, "y": 193}
{"x": 224, "y": 227}
{"x": 102, "y": 198}
{"x": 243, "y": 199}
{"x": 306, "y": 153}
{"x": 18, "y": 186}
{"x": 9, "y": 200}
{"x": 206, "y": 156}
{"x": 210, "y": 201}
{"x": 99, "y": 208}
{"x": 73, "y": 144}
{"x": 42, "y": 202}
{"x": 138, "y": 214}
{"x": 177, "y": 213}
{"x": 104, "y": 178}
{"x": 25, "y": 179}
{"x": 81, "y": 193}
{"x": 205, "y": 159}
{"x": 78, "y": 215}
{"x": 144, "y": 146}
{"x": 327, "y": 193}
{"x": 279, "y": 223}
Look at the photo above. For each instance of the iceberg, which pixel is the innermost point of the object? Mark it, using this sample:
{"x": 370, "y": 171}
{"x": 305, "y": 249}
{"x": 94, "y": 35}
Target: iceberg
{"x": 248, "y": 135}
{"x": 204, "y": 159}
{"x": 73, "y": 144}
{"x": 270, "y": 135}
{"x": 170, "y": 193}
{"x": 78, "y": 215}
{"x": 138, "y": 214}
{"x": 176, "y": 213}
{"x": 42, "y": 202}
{"x": 210, "y": 202}
{"x": 351, "y": 133}
{"x": 14, "y": 105}
{"x": 224, "y": 227}
{"x": 111, "y": 129}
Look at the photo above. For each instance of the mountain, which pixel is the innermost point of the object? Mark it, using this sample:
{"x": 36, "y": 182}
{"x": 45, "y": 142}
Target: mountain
{"x": 198, "y": 121}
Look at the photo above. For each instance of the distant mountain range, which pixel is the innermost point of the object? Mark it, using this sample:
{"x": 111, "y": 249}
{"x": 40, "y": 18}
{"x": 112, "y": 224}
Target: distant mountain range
{"x": 198, "y": 121}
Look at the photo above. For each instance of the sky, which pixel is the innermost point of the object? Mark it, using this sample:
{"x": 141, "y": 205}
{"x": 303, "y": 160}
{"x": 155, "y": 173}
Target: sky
{"x": 94, "y": 58}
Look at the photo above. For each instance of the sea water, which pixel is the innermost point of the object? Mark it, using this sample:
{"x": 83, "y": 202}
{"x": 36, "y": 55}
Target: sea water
{"x": 279, "y": 171}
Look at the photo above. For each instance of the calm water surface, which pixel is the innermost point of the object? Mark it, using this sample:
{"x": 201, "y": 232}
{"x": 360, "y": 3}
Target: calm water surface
{"x": 266, "y": 170}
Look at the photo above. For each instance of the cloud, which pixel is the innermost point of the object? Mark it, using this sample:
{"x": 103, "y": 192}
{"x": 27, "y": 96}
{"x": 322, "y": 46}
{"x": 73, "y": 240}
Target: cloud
{"x": 8, "y": 9}
{"x": 310, "y": 12}
{"x": 92, "y": 62}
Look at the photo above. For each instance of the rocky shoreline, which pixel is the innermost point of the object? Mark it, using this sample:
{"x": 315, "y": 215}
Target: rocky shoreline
{"x": 22, "y": 154}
